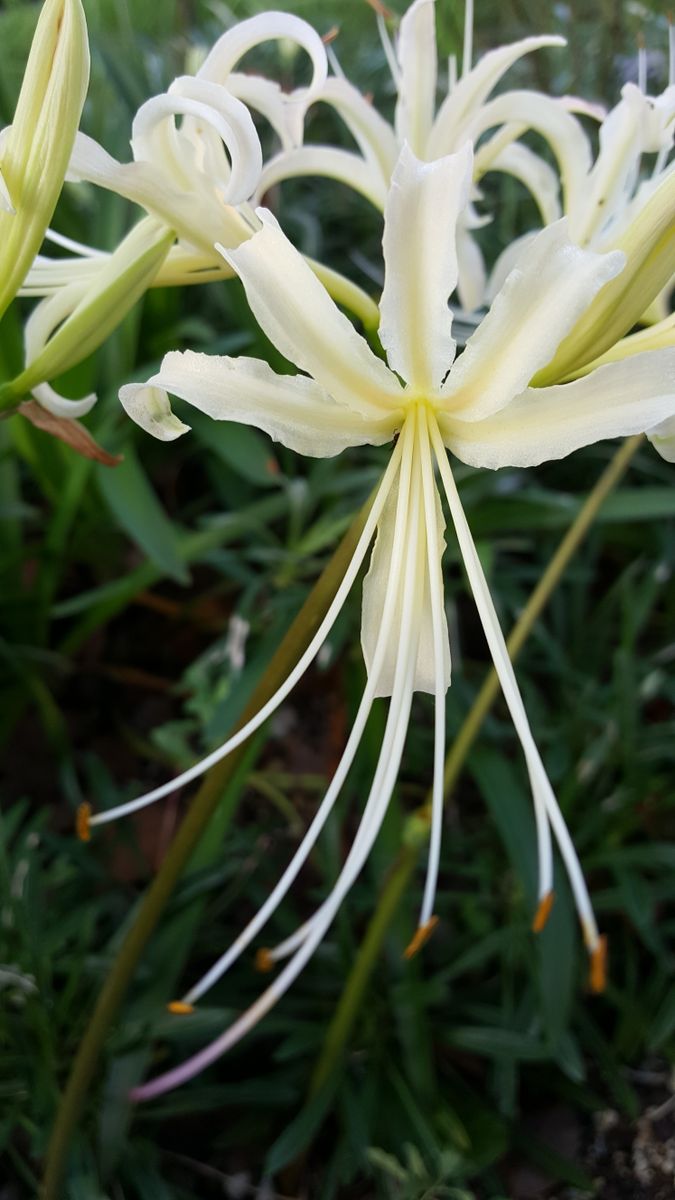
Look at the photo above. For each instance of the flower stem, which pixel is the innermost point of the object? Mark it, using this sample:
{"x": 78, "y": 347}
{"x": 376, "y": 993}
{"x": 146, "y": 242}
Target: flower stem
{"x": 346, "y": 1012}
{"x": 195, "y": 822}
{"x": 348, "y": 1007}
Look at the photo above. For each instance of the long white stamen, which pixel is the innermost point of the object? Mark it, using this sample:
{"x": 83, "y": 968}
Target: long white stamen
{"x": 408, "y": 534}
{"x": 390, "y": 53}
{"x": 541, "y": 787}
{"x": 60, "y": 239}
{"x": 452, "y": 73}
{"x": 335, "y": 62}
{"x": 642, "y": 68}
{"x": 671, "y": 53}
{"x": 199, "y": 1062}
{"x": 512, "y": 696}
{"x": 296, "y": 674}
{"x": 325, "y": 808}
{"x": 382, "y": 786}
{"x": 435, "y": 580}
{"x": 490, "y": 623}
{"x": 467, "y": 52}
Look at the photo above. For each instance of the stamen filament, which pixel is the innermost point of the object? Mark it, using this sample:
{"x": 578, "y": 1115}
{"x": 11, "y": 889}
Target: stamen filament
{"x": 504, "y": 668}
{"x": 197, "y": 769}
{"x": 389, "y": 52}
{"x": 435, "y": 583}
{"x": 376, "y": 807}
{"x": 642, "y": 66}
{"x": 276, "y": 896}
{"x": 467, "y": 52}
{"x": 404, "y": 531}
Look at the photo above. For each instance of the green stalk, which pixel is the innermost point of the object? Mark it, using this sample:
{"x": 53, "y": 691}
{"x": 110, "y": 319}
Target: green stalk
{"x": 340, "y": 1028}
{"x": 195, "y": 822}
{"x": 348, "y": 1007}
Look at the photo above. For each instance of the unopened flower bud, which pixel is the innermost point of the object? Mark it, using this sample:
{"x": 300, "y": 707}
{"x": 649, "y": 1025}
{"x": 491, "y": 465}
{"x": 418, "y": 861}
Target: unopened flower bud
{"x": 35, "y": 149}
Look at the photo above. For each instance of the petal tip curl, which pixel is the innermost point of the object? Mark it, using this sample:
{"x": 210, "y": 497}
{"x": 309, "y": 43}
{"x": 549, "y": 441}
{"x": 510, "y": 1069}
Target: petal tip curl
{"x": 149, "y": 407}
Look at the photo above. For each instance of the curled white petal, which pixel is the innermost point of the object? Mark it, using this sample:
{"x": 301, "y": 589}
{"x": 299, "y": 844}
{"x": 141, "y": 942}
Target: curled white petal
{"x": 150, "y": 408}
{"x": 155, "y": 138}
{"x": 59, "y": 405}
{"x": 416, "y": 53}
{"x": 662, "y": 438}
{"x": 616, "y": 400}
{"x": 299, "y": 317}
{"x": 545, "y": 294}
{"x": 424, "y": 204}
{"x": 329, "y": 162}
{"x": 470, "y": 93}
{"x": 546, "y": 116}
{"x": 291, "y": 408}
{"x": 269, "y": 26}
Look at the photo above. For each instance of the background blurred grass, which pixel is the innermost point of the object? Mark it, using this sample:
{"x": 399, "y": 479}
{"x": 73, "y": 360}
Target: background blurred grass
{"x": 117, "y": 590}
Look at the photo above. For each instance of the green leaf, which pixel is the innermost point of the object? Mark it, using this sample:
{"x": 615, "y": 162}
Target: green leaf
{"x": 133, "y": 502}
{"x": 511, "y": 809}
{"x": 245, "y": 451}
{"x": 498, "y": 1043}
{"x": 299, "y": 1133}
{"x": 556, "y": 951}
{"x": 553, "y": 1163}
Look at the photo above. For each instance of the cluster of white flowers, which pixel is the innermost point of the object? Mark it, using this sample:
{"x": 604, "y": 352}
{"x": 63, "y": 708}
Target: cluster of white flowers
{"x": 555, "y": 362}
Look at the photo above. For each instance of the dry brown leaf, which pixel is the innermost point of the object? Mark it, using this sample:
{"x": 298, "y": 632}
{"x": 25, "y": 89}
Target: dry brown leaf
{"x": 71, "y": 432}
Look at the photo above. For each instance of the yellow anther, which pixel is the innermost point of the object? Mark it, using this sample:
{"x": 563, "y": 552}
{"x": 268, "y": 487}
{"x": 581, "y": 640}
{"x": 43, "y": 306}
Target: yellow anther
{"x": 597, "y": 979}
{"x": 420, "y": 937}
{"x": 82, "y": 821}
{"x": 180, "y": 1008}
{"x": 543, "y": 912}
{"x": 264, "y": 961}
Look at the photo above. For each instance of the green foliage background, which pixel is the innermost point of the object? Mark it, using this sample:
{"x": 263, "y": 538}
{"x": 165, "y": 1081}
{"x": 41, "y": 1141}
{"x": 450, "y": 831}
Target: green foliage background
{"x": 117, "y": 588}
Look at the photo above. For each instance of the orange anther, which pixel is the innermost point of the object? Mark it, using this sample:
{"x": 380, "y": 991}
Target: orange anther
{"x": 597, "y": 980}
{"x": 543, "y": 912}
{"x": 264, "y": 961}
{"x": 82, "y": 819}
{"x": 380, "y": 9}
{"x": 180, "y": 1008}
{"x": 420, "y": 937}
{"x": 331, "y": 35}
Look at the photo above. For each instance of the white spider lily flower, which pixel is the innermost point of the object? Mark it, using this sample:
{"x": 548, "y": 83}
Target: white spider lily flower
{"x": 465, "y": 114}
{"x": 197, "y": 157}
{"x": 481, "y": 408}
{"x": 194, "y": 183}
{"x": 35, "y": 149}
{"x": 284, "y": 111}
{"x": 191, "y": 178}
{"x": 617, "y": 209}
{"x": 195, "y": 177}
